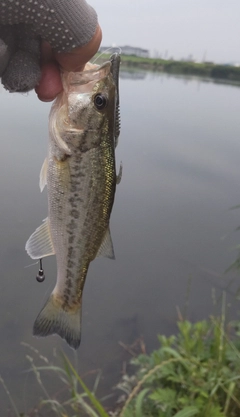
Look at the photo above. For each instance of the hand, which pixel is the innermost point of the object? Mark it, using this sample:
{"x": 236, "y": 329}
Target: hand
{"x": 50, "y": 83}
{"x": 37, "y": 39}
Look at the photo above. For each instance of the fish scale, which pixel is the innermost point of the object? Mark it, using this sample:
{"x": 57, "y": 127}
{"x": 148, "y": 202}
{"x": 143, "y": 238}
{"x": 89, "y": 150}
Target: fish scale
{"x": 81, "y": 179}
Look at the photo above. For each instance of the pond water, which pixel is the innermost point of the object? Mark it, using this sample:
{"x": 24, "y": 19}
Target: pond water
{"x": 172, "y": 227}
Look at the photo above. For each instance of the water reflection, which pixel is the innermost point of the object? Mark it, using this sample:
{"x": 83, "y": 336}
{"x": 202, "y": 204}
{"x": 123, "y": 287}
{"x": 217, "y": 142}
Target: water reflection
{"x": 128, "y": 74}
{"x": 133, "y": 73}
{"x": 171, "y": 222}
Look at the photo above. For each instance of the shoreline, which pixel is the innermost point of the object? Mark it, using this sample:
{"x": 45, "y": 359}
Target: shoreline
{"x": 210, "y": 70}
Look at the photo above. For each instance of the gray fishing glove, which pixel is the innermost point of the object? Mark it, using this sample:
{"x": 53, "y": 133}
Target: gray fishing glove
{"x": 65, "y": 24}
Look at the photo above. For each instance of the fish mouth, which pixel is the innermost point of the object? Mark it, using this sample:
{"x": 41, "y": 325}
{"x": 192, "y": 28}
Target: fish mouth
{"x": 115, "y": 68}
{"x": 87, "y": 76}
{"x": 94, "y": 72}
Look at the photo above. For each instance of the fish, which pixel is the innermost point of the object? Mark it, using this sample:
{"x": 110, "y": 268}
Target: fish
{"x": 80, "y": 175}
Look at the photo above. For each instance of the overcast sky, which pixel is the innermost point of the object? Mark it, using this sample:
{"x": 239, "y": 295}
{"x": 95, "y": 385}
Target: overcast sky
{"x": 203, "y": 28}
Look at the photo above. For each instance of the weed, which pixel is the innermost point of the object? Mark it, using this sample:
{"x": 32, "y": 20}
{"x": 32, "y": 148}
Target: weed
{"x": 196, "y": 372}
{"x": 193, "y": 373}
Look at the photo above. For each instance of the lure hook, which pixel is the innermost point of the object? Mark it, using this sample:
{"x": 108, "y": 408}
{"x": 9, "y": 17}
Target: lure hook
{"x": 40, "y": 276}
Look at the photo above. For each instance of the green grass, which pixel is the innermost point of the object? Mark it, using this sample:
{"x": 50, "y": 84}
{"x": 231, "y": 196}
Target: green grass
{"x": 196, "y": 372}
{"x": 193, "y": 373}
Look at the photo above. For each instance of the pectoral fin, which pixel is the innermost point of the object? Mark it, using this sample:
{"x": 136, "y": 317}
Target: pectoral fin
{"x": 43, "y": 175}
{"x": 60, "y": 142}
{"x": 54, "y": 131}
{"x": 40, "y": 245}
{"x": 106, "y": 248}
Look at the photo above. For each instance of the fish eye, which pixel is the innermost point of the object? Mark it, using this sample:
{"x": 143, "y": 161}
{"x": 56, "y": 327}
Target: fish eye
{"x": 100, "y": 101}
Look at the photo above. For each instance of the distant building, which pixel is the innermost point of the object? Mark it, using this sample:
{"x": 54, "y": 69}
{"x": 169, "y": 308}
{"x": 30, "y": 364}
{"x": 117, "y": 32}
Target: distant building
{"x": 127, "y": 50}
{"x": 231, "y": 64}
{"x": 130, "y": 50}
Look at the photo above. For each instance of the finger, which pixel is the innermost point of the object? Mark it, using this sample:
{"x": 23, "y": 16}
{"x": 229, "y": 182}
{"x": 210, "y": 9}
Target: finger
{"x": 50, "y": 83}
{"x": 78, "y": 57}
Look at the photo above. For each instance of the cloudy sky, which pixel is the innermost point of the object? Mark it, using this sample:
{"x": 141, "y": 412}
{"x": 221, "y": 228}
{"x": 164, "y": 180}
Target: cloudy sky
{"x": 177, "y": 28}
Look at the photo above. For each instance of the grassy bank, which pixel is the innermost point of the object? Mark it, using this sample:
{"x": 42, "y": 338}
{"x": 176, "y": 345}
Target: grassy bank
{"x": 224, "y": 72}
{"x": 193, "y": 373}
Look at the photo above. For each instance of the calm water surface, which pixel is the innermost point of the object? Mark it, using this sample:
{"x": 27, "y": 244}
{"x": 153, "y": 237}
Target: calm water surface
{"x": 180, "y": 147}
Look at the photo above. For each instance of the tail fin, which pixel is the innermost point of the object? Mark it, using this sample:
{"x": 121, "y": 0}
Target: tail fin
{"x": 53, "y": 319}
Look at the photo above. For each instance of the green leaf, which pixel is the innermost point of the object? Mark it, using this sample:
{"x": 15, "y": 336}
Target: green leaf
{"x": 98, "y": 406}
{"x": 172, "y": 352}
{"x": 86, "y": 407}
{"x": 55, "y": 405}
{"x": 187, "y": 412}
{"x": 139, "y": 403}
{"x": 166, "y": 396}
{"x": 215, "y": 411}
{"x": 128, "y": 412}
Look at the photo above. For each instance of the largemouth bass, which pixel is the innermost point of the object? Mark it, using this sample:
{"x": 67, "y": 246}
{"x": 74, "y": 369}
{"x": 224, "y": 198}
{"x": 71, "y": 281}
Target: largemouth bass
{"x": 80, "y": 175}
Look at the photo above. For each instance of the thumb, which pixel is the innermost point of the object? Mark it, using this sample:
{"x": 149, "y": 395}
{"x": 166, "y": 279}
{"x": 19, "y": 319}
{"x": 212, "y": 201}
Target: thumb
{"x": 50, "y": 83}
{"x": 76, "y": 59}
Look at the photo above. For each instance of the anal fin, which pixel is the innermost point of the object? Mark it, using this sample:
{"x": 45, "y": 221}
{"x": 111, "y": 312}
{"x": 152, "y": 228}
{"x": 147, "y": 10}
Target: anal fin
{"x": 106, "y": 248}
{"x": 40, "y": 245}
{"x": 119, "y": 176}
